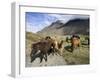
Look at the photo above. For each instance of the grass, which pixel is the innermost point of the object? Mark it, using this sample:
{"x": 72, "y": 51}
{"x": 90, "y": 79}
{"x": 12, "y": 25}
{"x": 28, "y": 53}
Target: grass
{"x": 79, "y": 56}
{"x": 32, "y": 36}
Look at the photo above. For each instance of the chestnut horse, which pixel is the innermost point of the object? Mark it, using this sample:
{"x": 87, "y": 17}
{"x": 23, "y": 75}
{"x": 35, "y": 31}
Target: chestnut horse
{"x": 75, "y": 42}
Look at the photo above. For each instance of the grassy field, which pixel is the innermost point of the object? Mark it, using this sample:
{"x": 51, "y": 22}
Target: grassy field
{"x": 79, "y": 56}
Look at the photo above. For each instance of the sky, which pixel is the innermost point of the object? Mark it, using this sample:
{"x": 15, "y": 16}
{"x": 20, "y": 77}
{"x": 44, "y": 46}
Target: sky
{"x": 37, "y": 21}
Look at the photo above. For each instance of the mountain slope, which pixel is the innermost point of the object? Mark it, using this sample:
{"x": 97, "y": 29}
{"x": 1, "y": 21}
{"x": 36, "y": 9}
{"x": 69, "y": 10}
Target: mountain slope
{"x": 76, "y": 26}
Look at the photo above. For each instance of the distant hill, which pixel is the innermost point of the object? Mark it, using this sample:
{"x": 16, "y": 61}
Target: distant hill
{"x": 32, "y": 36}
{"x": 76, "y": 26}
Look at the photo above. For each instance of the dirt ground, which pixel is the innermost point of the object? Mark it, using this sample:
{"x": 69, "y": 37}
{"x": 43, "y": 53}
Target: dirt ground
{"x": 53, "y": 60}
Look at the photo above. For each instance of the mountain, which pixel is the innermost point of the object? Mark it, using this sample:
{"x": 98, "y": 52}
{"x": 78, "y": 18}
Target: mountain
{"x": 75, "y": 26}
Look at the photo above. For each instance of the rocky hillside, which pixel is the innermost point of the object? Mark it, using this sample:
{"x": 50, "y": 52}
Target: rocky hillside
{"x": 76, "y": 26}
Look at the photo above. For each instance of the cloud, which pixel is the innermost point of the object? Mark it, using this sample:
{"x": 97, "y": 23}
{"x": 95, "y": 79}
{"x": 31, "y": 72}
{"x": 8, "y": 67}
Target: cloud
{"x": 65, "y": 18}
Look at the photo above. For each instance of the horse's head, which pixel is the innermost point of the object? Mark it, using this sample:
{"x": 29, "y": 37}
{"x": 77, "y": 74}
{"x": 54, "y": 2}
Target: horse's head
{"x": 75, "y": 42}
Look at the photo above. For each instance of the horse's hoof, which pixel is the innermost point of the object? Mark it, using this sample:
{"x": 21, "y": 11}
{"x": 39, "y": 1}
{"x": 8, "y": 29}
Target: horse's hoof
{"x": 40, "y": 61}
{"x": 46, "y": 60}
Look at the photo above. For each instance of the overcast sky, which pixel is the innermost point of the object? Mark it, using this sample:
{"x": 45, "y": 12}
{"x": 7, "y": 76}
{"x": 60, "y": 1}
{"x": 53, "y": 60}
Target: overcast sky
{"x": 37, "y": 21}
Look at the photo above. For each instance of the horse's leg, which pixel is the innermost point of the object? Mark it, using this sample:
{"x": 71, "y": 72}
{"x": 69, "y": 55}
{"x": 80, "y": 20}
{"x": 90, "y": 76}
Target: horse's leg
{"x": 72, "y": 48}
{"x": 41, "y": 57}
{"x": 50, "y": 51}
{"x": 46, "y": 57}
{"x": 53, "y": 51}
{"x": 56, "y": 51}
{"x": 32, "y": 59}
{"x": 33, "y": 52}
{"x": 78, "y": 45}
{"x": 32, "y": 55}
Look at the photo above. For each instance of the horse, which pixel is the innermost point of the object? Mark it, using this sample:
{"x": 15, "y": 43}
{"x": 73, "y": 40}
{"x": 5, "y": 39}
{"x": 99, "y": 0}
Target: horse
{"x": 44, "y": 47}
{"x": 57, "y": 45}
{"x": 75, "y": 42}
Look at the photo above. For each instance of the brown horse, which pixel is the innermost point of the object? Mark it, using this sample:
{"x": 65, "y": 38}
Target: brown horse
{"x": 44, "y": 47}
{"x": 75, "y": 42}
{"x": 57, "y": 45}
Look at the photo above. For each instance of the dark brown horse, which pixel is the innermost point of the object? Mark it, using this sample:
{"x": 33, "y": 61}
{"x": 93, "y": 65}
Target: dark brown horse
{"x": 44, "y": 47}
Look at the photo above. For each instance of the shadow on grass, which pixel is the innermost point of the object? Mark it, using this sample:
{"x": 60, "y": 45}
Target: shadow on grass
{"x": 68, "y": 48}
{"x": 85, "y": 45}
